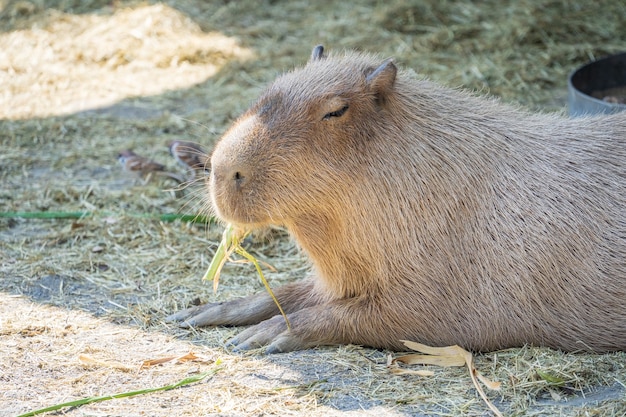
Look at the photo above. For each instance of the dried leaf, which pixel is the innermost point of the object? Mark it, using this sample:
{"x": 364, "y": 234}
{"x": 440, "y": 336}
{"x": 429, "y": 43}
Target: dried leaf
{"x": 76, "y": 225}
{"x": 152, "y": 362}
{"x": 448, "y": 356}
{"x": 90, "y": 361}
{"x": 445, "y": 361}
{"x": 191, "y": 356}
{"x": 421, "y": 372}
{"x": 438, "y": 351}
{"x": 492, "y": 385}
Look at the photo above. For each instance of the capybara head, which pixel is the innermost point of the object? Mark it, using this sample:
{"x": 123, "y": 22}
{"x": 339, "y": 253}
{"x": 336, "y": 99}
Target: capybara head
{"x": 298, "y": 145}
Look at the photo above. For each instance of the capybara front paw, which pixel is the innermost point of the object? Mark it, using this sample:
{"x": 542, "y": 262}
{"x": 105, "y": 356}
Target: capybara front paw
{"x": 203, "y": 315}
{"x": 272, "y": 333}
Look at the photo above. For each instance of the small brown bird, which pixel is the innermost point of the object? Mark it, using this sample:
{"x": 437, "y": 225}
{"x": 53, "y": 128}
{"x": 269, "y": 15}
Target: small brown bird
{"x": 143, "y": 166}
{"x": 132, "y": 162}
{"x": 190, "y": 155}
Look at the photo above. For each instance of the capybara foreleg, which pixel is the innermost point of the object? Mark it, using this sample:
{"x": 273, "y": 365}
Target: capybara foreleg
{"x": 247, "y": 310}
{"x": 338, "y": 322}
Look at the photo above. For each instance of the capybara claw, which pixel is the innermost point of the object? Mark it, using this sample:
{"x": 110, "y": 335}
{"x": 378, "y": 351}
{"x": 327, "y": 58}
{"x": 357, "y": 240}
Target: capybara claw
{"x": 262, "y": 334}
{"x": 176, "y": 317}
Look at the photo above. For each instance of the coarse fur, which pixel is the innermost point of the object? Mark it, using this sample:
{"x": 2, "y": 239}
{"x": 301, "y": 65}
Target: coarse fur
{"x": 428, "y": 214}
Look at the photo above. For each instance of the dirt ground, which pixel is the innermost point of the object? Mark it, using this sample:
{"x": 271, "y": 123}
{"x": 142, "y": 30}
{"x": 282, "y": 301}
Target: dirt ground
{"x": 82, "y": 300}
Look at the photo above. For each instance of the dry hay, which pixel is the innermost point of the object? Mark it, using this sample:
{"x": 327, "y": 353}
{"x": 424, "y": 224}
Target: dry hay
{"x": 83, "y": 80}
{"x": 130, "y": 52}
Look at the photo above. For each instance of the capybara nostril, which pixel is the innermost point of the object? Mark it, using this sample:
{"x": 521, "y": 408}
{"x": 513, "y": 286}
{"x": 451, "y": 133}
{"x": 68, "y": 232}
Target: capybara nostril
{"x": 238, "y": 178}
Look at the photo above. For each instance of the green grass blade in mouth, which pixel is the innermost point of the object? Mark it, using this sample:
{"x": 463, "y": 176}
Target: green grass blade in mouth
{"x": 231, "y": 242}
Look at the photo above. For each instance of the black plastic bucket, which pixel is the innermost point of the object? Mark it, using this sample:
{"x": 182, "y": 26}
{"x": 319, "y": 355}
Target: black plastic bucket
{"x": 598, "y": 87}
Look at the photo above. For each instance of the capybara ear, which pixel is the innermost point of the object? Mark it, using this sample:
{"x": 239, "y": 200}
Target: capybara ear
{"x": 381, "y": 80}
{"x": 317, "y": 53}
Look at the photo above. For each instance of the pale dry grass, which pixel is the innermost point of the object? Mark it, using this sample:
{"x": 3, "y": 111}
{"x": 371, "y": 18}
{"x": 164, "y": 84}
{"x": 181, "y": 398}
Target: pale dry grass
{"x": 83, "y": 80}
{"x": 96, "y": 60}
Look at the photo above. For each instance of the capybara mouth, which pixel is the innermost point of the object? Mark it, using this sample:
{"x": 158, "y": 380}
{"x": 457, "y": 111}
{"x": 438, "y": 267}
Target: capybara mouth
{"x": 241, "y": 219}
{"x": 242, "y": 209}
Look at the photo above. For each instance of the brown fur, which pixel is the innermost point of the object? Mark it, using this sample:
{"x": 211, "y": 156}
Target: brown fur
{"x": 428, "y": 214}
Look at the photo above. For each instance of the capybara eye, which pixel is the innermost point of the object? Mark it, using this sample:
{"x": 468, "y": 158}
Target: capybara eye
{"x": 337, "y": 113}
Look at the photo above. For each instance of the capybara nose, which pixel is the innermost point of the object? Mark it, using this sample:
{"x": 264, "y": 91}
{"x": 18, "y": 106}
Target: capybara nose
{"x": 239, "y": 178}
{"x": 231, "y": 177}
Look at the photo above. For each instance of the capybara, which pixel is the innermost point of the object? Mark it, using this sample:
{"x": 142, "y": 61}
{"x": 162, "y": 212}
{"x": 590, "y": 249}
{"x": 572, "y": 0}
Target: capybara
{"x": 428, "y": 214}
